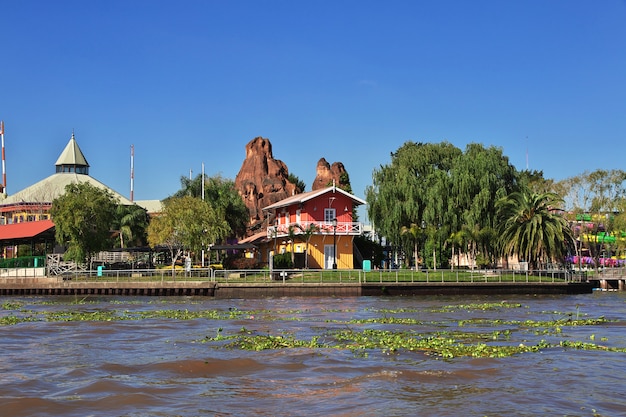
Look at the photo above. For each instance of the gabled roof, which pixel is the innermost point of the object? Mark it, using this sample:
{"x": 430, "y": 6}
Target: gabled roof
{"x": 72, "y": 155}
{"x": 24, "y": 230}
{"x": 303, "y": 197}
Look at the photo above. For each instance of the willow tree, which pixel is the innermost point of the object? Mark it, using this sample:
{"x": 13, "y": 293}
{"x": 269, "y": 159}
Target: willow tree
{"x": 480, "y": 178}
{"x": 532, "y": 227}
{"x": 440, "y": 185}
{"x": 413, "y": 189}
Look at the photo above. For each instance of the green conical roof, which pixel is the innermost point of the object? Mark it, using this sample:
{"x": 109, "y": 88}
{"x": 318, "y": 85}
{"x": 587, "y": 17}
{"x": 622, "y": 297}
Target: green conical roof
{"x": 72, "y": 155}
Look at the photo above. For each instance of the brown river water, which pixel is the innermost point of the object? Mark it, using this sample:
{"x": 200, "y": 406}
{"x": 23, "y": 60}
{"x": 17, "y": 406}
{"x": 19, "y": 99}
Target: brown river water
{"x": 166, "y": 366}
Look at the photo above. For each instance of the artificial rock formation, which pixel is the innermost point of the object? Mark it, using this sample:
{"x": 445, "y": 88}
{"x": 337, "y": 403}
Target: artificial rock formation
{"x": 330, "y": 174}
{"x": 261, "y": 181}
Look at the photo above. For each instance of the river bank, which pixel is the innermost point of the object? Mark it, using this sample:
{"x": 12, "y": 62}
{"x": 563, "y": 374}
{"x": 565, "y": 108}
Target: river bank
{"x": 280, "y": 288}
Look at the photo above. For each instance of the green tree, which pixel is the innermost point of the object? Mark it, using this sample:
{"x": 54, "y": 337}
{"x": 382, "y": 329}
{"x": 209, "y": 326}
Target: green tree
{"x": 415, "y": 187}
{"x": 300, "y": 185}
{"x": 440, "y": 185}
{"x": 226, "y": 201}
{"x": 186, "y": 223}
{"x": 481, "y": 176}
{"x": 82, "y": 217}
{"x": 415, "y": 235}
{"x": 534, "y": 180}
{"x": 532, "y": 228}
{"x": 596, "y": 194}
{"x": 222, "y": 196}
{"x": 458, "y": 241}
{"x": 130, "y": 224}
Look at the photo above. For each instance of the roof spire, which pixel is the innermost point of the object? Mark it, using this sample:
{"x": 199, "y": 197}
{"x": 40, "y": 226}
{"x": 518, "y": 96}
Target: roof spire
{"x": 72, "y": 159}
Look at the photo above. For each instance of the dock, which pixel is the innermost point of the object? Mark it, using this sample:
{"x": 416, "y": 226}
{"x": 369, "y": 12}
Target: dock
{"x": 41, "y": 286}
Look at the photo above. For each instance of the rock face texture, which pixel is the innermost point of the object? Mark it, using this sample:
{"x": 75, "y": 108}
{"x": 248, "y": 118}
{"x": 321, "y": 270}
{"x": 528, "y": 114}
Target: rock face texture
{"x": 326, "y": 173}
{"x": 261, "y": 181}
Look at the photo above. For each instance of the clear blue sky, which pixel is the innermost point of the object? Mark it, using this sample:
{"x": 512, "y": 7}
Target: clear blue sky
{"x": 188, "y": 82}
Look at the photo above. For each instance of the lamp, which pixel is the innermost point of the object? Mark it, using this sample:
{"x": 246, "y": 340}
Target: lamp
{"x": 334, "y": 243}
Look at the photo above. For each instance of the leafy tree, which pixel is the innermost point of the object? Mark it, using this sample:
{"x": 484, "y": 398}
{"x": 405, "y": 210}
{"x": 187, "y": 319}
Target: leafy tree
{"x": 82, "y": 217}
{"x": 442, "y": 186}
{"x": 222, "y": 196}
{"x": 531, "y": 228}
{"x": 300, "y": 185}
{"x": 599, "y": 194}
{"x": 597, "y": 191}
{"x": 191, "y": 187}
{"x": 415, "y": 187}
{"x": 536, "y": 182}
{"x": 481, "y": 176}
{"x": 185, "y": 223}
{"x": 344, "y": 182}
{"x": 130, "y": 224}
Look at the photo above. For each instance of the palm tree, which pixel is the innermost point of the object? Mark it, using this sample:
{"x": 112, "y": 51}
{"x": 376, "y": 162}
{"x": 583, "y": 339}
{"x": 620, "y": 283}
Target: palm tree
{"x": 131, "y": 223}
{"x": 472, "y": 236}
{"x": 457, "y": 240}
{"x": 415, "y": 234}
{"x": 291, "y": 233}
{"x": 308, "y": 233}
{"x": 531, "y": 228}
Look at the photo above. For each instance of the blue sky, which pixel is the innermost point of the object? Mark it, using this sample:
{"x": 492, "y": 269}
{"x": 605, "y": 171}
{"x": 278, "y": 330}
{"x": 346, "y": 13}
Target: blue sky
{"x": 189, "y": 82}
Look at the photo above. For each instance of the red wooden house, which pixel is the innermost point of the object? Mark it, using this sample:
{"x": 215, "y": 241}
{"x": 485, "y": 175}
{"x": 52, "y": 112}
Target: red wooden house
{"x": 317, "y": 226}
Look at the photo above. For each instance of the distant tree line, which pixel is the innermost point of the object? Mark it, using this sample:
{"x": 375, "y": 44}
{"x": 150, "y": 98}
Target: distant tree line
{"x": 434, "y": 198}
{"x": 432, "y": 202}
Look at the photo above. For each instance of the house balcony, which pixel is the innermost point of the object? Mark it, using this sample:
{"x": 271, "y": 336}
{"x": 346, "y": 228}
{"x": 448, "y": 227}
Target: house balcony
{"x": 321, "y": 228}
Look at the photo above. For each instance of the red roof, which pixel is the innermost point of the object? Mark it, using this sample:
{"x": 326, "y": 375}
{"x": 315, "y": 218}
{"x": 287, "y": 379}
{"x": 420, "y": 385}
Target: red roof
{"x": 24, "y": 230}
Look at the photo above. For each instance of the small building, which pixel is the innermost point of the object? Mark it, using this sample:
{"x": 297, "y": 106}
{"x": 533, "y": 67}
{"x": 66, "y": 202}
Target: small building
{"x": 317, "y": 226}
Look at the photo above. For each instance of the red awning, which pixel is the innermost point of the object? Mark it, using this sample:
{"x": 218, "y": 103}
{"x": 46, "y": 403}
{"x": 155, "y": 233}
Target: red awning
{"x": 24, "y": 230}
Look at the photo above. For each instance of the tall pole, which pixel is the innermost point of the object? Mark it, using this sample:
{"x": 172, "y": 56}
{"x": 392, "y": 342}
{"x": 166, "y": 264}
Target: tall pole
{"x": 4, "y": 172}
{"x": 132, "y": 172}
{"x": 335, "y": 243}
{"x": 203, "y": 181}
{"x": 203, "y": 200}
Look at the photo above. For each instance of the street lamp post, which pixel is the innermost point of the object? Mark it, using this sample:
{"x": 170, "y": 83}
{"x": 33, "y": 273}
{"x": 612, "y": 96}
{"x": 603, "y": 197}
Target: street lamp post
{"x": 423, "y": 225}
{"x": 434, "y": 248}
{"x": 335, "y": 243}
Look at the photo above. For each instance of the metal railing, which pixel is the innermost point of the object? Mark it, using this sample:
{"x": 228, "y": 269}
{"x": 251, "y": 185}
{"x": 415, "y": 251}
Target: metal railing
{"x": 296, "y": 276}
{"x": 321, "y": 228}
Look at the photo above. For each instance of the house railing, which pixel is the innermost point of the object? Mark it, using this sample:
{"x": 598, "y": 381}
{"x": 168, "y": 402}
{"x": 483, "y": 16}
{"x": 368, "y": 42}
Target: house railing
{"x": 320, "y": 228}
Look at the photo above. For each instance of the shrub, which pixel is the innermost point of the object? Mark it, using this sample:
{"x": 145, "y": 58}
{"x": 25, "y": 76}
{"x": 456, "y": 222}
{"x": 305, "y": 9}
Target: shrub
{"x": 283, "y": 261}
